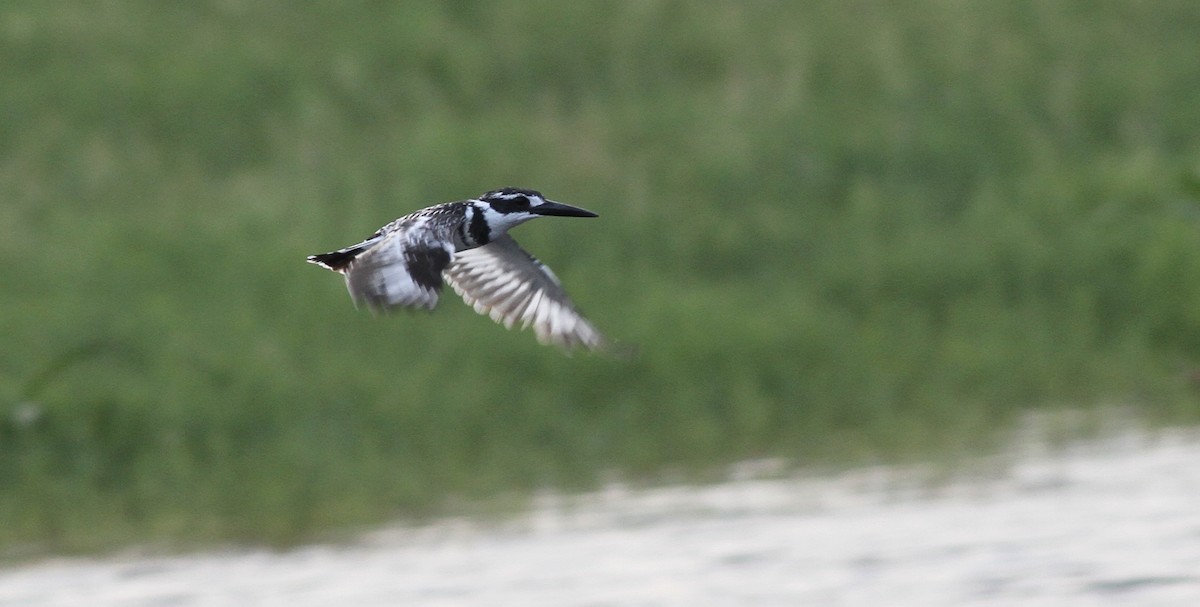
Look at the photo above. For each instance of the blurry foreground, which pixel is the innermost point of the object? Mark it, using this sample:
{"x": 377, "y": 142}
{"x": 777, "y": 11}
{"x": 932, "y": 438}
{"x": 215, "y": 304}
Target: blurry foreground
{"x": 1107, "y": 523}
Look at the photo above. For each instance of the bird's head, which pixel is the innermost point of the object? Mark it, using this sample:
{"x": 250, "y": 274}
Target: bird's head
{"x": 509, "y": 207}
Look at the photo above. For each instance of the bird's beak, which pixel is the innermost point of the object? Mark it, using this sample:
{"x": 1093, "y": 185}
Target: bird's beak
{"x": 559, "y": 209}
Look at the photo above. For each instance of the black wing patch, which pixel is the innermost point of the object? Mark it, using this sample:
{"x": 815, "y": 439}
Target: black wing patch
{"x": 425, "y": 265}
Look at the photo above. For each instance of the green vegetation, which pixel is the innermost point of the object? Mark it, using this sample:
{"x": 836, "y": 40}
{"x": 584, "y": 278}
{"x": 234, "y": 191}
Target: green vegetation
{"x": 837, "y": 232}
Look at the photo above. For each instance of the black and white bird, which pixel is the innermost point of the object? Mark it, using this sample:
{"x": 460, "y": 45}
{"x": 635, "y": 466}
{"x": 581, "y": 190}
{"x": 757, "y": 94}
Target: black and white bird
{"x": 466, "y": 244}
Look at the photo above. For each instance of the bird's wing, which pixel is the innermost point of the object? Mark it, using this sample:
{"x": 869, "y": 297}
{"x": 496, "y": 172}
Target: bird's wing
{"x": 503, "y": 281}
{"x": 402, "y": 270}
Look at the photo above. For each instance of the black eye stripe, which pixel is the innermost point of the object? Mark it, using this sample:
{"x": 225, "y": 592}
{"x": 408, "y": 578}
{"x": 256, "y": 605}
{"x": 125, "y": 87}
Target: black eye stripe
{"x": 511, "y": 205}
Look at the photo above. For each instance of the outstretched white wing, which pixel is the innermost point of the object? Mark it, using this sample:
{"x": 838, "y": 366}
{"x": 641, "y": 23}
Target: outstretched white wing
{"x": 503, "y": 281}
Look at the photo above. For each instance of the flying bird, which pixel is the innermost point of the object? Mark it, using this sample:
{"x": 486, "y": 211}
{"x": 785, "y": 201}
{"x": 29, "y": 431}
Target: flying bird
{"x": 466, "y": 244}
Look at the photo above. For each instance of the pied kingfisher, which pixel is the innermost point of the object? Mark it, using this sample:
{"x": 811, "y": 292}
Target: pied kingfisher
{"x": 466, "y": 244}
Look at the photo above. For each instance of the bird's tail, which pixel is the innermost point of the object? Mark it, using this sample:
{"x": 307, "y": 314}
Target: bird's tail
{"x": 339, "y": 260}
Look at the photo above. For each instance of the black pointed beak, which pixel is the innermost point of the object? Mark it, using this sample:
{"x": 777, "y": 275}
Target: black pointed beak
{"x": 561, "y": 210}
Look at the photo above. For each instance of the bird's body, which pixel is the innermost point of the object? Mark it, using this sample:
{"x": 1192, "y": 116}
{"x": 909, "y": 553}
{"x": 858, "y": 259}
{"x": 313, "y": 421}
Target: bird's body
{"x": 466, "y": 243}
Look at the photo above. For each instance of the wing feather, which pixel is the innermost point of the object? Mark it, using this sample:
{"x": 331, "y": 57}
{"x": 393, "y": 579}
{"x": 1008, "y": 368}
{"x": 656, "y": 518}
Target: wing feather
{"x": 403, "y": 270}
{"x": 508, "y": 284}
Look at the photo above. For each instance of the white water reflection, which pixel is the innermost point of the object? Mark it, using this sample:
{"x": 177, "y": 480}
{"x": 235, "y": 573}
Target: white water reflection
{"x": 1115, "y": 522}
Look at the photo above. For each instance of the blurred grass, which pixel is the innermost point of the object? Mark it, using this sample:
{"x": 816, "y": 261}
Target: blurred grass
{"x": 837, "y": 232}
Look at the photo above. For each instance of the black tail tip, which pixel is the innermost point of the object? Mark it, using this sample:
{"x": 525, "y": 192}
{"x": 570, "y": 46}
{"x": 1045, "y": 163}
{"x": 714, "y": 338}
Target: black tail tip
{"x": 336, "y": 261}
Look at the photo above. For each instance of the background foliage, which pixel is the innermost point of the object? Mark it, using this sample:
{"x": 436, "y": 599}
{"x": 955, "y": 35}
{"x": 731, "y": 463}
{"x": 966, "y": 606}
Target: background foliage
{"x": 837, "y": 231}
